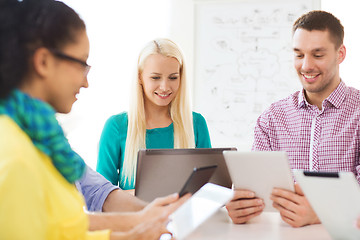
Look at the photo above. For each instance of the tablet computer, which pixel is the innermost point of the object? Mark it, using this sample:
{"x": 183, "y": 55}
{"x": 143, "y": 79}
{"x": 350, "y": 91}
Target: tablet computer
{"x": 203, "y": 204}
{"x": 198, "y": 178}
{"x": 335, "y": 197}
{"x": 164, "y": 171}
{"x": 260, "y": 172}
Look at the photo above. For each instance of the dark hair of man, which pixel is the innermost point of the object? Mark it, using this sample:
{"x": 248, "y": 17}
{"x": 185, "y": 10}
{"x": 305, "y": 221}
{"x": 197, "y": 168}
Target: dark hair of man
{"x": 26, "y": 26}
{"x": 321, "y": 20}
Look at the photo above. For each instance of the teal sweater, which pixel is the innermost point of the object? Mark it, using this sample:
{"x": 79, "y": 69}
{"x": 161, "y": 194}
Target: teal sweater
{"x": 112, "y": 144}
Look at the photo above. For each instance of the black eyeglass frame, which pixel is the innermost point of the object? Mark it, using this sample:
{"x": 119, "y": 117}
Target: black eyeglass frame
{"x": 64, "y": 56}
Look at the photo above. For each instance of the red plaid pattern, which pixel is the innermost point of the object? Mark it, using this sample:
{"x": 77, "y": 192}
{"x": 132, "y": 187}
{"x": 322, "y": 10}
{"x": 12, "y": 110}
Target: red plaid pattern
{"x": 318, "y": 140}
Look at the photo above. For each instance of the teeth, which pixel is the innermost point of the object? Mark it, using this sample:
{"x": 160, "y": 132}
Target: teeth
{"x": 309, "y": 76}
{"x": 163, "y": 95}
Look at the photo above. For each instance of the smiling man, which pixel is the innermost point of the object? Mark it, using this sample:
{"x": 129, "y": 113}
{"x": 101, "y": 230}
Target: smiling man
{"x": 318, "y": 126}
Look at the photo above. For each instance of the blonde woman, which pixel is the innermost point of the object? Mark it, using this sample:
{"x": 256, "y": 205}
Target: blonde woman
{"x": 159, "y": 115}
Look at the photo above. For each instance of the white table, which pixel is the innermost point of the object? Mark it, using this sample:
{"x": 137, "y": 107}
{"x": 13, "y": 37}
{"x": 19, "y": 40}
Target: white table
{"x": 267, "y": 226}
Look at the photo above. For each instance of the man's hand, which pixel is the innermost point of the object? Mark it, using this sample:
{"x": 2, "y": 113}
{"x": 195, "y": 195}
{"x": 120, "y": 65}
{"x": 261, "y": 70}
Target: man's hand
{"x": 244, "y": 206}
{"x": 294, "y": 208}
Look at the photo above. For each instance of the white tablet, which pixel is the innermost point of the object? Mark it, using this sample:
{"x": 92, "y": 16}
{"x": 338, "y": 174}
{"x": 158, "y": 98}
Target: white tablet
{"x": 335, "y": 197}
{"x": 203, "y": 204}
{"x": 260, "y": 172}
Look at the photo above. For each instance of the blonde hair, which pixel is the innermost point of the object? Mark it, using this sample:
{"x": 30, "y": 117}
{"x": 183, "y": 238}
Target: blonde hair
{"x": 179, "y": 108}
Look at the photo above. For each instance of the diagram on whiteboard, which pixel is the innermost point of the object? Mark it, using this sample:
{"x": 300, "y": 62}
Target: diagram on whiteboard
{"x": 243, "y": 63}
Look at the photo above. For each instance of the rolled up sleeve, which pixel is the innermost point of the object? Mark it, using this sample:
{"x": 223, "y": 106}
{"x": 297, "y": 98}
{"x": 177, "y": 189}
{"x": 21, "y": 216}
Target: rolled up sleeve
{"x": 95, "y": 189}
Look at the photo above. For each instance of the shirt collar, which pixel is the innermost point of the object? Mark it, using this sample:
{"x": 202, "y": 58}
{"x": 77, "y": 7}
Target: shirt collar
{"x": 335, "y": 98}
{"x": 302, "y": 102}
{"x": 338, "y": 95}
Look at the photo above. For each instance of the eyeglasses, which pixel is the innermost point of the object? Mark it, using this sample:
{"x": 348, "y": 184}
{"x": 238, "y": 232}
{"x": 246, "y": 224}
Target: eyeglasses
{"x": 62, "y": 55}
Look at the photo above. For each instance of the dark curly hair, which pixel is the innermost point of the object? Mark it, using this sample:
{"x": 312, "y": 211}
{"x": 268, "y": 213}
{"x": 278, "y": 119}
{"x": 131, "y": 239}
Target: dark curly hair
{"x": 26, "y": 26}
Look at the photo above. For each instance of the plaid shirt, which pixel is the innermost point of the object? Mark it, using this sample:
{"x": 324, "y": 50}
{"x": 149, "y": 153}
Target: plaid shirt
{"x": 316, "y": 140}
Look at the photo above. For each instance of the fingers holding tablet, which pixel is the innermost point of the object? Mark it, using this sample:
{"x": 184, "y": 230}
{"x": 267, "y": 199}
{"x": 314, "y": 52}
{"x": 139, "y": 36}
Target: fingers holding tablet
{"x": 250, "y": 170}
{"x": 244, "y": 206}
{"x": 163, "y": 206}
{"x": 294, "y": 208}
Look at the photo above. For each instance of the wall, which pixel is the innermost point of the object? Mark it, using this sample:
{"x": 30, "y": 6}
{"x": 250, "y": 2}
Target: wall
{"x": 118, "y": 29}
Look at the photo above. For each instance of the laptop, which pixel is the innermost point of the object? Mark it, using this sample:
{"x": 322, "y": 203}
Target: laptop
{"x": 335, "y": 198}
{"x": 164, "y": 171}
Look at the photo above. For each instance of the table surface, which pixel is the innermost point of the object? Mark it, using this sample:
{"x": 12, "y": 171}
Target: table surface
{"x": 268, "y": 225}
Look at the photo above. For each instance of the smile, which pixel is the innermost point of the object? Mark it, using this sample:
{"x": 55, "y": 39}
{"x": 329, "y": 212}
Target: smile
{"x": 310, "y": 76}
{"x": 163, "y": 95}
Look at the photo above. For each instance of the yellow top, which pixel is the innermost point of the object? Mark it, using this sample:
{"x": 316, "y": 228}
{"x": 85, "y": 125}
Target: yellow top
{"x": 36, "y": 202}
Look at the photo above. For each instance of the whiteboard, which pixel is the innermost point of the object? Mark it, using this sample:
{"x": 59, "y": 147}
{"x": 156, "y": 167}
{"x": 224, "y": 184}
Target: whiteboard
{"x": 243, "y": 63}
